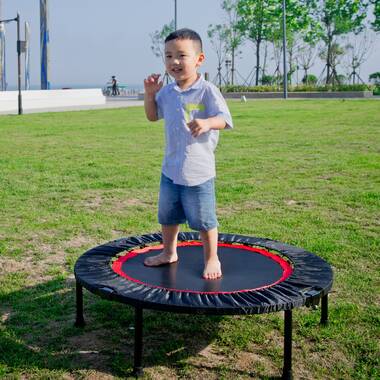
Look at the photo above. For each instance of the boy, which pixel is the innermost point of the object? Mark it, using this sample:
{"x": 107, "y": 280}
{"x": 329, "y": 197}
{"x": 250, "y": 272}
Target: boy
{"x": 194, "y": 110}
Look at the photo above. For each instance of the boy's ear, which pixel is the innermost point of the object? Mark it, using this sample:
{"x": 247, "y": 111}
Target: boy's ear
{"x": 201, "y": 58}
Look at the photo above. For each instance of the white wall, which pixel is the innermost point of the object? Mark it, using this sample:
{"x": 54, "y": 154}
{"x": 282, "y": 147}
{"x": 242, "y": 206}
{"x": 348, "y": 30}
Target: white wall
{"x": 45, "y": 99}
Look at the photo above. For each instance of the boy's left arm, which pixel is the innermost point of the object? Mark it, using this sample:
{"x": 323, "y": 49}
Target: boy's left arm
{"x": 219, "y": 116}
{"x": 200, "y": 126}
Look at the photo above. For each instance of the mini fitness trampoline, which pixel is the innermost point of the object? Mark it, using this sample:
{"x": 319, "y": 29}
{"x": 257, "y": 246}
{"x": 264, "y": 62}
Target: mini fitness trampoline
{"x": 259, "y": 276}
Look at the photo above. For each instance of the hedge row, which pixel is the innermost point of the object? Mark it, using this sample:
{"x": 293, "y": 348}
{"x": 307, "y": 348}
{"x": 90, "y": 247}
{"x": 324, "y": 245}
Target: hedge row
{"x": 299, "y": 88}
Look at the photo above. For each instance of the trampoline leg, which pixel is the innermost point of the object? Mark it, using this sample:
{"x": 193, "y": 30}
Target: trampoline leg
{"x": 137, "y": 366}
{"x": 287, "y": 370}
{"x": 79, "y": 322}
{"x": 324, "y": 310}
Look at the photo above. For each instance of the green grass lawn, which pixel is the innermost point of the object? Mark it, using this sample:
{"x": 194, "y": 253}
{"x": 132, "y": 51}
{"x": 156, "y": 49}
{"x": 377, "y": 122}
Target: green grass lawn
{"x": 303, "y": 172}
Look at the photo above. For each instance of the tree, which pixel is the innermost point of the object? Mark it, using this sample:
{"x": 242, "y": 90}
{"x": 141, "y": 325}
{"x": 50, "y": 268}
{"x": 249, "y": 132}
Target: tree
{"x": 218, "y": 38}
{"x": 158, "y": 39}
{"x": 336, "y": 18}
{"x": 233, "y": 34}
{"x": 306, "y": 54}
{"x": 257, "y": 22}
{"x": 261, "y": 20}
{"x": 158, "y": 42}
{"x": 334, "y": 54}
{"x": 357, "y": 52}
{"x": 292, "y": 47}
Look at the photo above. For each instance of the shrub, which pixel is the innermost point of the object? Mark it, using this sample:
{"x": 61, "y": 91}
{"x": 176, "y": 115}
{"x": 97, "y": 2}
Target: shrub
{"x": 268, "y": 80}
{"x": 310, "y": 79}
{"x": 375, "y": 78}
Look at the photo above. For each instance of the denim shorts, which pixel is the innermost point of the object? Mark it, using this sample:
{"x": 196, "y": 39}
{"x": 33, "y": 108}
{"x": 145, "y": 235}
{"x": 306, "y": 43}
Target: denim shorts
{"x": 194, "y": 204}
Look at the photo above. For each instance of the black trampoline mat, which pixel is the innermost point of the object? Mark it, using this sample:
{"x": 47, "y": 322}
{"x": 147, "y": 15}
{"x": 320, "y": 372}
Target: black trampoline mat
{"x": 244, "y": 269}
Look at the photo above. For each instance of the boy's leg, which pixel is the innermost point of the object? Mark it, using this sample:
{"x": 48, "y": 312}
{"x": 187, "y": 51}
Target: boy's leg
{"x": 212, "y": 268}
{"x": 170, "y": 216}
{"x": 169, "y": 253}
{"x": 199, "y": 207}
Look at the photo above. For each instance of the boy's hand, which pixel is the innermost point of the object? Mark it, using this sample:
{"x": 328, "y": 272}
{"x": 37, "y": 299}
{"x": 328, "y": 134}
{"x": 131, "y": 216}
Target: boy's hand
{"x": 152, "y": 84}
{"x": 198, "y": 127}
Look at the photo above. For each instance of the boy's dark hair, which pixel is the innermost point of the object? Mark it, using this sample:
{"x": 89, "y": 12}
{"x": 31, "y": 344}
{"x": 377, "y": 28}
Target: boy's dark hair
{"x": 185, "y": 34}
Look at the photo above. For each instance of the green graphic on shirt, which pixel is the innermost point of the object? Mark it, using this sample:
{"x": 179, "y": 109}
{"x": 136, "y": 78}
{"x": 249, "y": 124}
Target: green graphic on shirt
{"x": 190, "y": 107}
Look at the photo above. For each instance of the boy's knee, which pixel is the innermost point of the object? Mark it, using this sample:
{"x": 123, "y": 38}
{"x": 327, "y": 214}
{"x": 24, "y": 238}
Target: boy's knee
{"x": 202, "y": 222}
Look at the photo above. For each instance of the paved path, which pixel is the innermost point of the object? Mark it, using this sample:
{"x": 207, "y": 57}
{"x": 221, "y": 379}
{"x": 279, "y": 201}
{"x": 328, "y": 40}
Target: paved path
{"x": 115, "y": 102}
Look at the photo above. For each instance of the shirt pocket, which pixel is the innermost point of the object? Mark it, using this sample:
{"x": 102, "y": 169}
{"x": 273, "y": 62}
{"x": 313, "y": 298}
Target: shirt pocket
{"x": 194, "y": 111}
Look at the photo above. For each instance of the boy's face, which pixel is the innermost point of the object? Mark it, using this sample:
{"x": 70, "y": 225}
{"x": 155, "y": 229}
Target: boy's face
{"x": 182, "y": 59}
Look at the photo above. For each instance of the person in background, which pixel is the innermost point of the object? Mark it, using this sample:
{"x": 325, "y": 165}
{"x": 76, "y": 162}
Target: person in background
{"x": 115, "y": 90}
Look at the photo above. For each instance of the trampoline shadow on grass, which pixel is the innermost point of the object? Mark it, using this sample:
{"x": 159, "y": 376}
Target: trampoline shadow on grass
{"x": 38, "y": 334}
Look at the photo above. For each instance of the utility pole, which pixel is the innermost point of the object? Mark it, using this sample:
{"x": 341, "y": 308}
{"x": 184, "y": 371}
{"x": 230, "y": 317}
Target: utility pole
{"x": 175, "y": 14}
{"x": 44, "y": 42}
{"x": 2, "y": 53}
{"x": 284, "y": 48}
{"x": 27, "y": 56}
{"x": 20, "y": 49}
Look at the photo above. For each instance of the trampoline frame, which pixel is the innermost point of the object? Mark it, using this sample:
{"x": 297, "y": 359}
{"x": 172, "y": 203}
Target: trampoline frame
{"x": 311, "y": 298}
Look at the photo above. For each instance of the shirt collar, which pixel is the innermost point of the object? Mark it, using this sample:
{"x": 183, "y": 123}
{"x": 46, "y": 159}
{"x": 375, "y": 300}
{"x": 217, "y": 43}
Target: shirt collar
{"x": 196, "y": 85}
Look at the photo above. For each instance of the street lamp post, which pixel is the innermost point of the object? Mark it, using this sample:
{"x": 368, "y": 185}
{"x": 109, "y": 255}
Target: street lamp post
{"x": 20, "y": 49}
{"x": 175, "y": 14}
{"x": 284, "y": 48}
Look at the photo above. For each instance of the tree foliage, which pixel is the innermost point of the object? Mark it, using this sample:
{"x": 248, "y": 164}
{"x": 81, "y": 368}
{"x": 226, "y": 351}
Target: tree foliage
{"x": 233, "y": 34}
{"x": 337, "y": 18}
{"x": 376, "y": 12}
{"x": 258, "y": 23}
{"x": 218, "y": 35}
{"x": 158, "y": 38}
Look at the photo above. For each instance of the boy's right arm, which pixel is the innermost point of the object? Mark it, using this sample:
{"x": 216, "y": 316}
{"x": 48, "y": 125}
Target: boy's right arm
{"x": 151, "y": 85}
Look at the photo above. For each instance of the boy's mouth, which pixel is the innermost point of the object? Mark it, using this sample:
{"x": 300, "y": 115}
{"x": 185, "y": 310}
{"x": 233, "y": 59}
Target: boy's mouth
{"x": 176, "y": 70}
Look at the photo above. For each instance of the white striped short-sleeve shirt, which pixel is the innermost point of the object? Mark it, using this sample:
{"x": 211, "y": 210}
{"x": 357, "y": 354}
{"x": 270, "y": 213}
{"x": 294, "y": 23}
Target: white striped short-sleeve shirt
{"x": 190, "y": 160}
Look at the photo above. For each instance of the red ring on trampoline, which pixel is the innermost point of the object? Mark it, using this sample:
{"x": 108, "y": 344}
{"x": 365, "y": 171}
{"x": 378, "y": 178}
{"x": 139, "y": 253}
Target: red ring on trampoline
{"x": 117, "y": 266}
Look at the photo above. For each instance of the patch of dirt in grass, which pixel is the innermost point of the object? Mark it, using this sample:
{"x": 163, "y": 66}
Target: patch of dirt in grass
{"x": 34, "y": 267}
{"x": 94, "y": 202}
{"x": 248, "y": 361}
{"x": 328, "y": 359}
{"x": 160, "y": 373}
{"x": 212, "y": 356}
{"x": 88, "y": 348}
{"x": 91, "y": 375}
{"x": 114, "y": 202}
{"x": 234, "y": 208}
{"x": 79, "y": 241}
{"x": 5, "y": 314}
{"x": 9, "y": 265}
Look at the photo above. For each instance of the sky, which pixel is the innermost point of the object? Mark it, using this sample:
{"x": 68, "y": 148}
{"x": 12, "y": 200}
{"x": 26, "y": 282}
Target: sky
{"x": 90, "y": 40}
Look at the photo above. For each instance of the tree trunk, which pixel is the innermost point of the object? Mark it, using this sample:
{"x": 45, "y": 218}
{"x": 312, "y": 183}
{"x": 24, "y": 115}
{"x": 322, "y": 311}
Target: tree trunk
{"x": 263, "y": 71}
{"x": 329, "y": 58}
{"x": 258, "y": 43}
{"x": 232, "y": 66}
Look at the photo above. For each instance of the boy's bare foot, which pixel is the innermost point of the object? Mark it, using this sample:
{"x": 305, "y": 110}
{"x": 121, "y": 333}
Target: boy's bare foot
{"x": 212, "y": 270}
{"x": 161, "y": 259}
